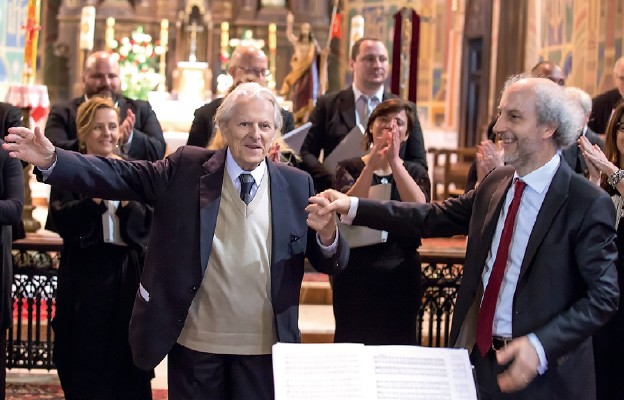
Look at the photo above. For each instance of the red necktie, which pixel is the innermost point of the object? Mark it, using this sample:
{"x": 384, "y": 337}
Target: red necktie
{"x": 488, "y": 305}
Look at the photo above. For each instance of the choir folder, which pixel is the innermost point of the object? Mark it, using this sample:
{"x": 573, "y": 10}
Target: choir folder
{"x": 353, "y": 371}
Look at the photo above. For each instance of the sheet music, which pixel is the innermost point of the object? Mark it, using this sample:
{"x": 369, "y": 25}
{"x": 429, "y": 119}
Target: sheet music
{"x": 349, "y": 147}
{"x": 359, "y": 236}
{"x": 412, "y": 372}
{"x": 354, "y": 371}
{"x": 295, "y": 138}
{"x": 320, "y": 372}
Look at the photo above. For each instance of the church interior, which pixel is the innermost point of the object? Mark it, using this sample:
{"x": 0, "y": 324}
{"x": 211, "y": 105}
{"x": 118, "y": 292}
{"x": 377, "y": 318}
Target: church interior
{"x": 450, "y": 57}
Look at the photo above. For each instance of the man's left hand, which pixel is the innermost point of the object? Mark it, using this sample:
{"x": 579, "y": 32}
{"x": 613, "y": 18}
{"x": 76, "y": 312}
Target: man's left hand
{"x": 324, "y": 225}
{"x": 523, "y": 368}
{"x": 126, "y": 127}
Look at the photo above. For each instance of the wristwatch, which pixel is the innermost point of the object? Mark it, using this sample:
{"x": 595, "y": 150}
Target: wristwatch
{"x": 616, "y": 178}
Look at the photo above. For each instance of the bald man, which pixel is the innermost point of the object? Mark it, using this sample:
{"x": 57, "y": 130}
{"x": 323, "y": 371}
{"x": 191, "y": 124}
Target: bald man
{"x": 248, "y": 64}
{"x": 604, "y": 103}
{"x": 141, "y": 137}
{"x": 548, "y": 70}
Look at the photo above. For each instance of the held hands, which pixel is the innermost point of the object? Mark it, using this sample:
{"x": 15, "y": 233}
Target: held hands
{"x": 523, "y": 368}
{"x": 29, "y": 146}
{"x": 126, "y": 127}
{"x": 322, "y": 223}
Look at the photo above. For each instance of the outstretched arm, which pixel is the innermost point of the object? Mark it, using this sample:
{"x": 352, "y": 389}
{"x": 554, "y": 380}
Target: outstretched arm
{"x": 30, "y": 146}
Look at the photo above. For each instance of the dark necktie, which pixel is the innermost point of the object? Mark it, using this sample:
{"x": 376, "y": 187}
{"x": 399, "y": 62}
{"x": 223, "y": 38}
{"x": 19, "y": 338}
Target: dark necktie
{"x": 246, "y": 181}
{"x": 488, "y": 305}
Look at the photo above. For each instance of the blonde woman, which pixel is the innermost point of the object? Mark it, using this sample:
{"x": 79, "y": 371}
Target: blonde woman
{"x": 101, "y": 263}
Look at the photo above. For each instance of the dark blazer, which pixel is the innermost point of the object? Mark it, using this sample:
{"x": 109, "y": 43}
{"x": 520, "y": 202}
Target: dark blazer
{"x": 567, "y": 288}
{"x": 202, "y": 128}
{"x": 602, "y": 106}
{"x": 11, "y": 205}
{"x": 10, "y": 116}
{"x": 185, "y": 190}
{"x": 148, "y": 142}
{"x": 332, "y": 119}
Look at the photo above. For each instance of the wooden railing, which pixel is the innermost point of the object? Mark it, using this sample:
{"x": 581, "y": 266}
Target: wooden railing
{"x": 30, "y": 342}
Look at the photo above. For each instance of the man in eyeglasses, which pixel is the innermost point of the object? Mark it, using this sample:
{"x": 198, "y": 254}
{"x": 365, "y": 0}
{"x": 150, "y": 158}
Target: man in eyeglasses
{"x": 548, "y": 70}
{"x": 248, "y": 64}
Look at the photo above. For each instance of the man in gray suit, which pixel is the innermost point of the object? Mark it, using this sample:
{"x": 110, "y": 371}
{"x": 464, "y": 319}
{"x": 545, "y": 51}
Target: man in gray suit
{"x": 534, "y": 289}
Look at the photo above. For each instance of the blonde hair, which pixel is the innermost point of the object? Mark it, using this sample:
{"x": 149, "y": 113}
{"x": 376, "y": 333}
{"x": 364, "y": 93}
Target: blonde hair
{"x": 85, "y": 117}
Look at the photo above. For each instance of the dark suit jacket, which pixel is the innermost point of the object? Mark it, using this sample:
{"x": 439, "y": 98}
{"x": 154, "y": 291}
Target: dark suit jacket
{"x": 332, "y": 119}
{"x": 148, "y": 142}
{"x": 602, "y": 105}
{"x": 11, "y": 205}
{"x": 185, "y": 190}
{"x": 203, "y": 124}
{"x": 567, "y": 287}
{"x": 10, "y": 116}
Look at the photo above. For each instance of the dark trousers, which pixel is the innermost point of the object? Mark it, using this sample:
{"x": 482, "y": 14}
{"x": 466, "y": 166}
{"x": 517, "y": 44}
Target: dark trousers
{"x": 3, "y": 350}
{"x": 196, "y": 375}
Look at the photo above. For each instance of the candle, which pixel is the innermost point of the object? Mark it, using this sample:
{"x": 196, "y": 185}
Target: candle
{"x": 87, "y": 27}
{"x": 110, "y": 33}
{"x": 225, "y": 35}
{"x": 357, "y": 29}
{"x": 31, "y": 38}
{"x": 164, "y": 32}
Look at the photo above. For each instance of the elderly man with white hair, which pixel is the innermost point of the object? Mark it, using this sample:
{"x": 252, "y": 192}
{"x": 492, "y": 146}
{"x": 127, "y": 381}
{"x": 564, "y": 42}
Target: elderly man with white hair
{"x": 539, "y": 274}
{"x": 572, "y": 154}
{"x": 224, "y": 263}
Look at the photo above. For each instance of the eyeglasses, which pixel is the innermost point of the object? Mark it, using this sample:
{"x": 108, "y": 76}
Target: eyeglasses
{"x": 619, "y": 126}
{"x": 255, "y": 71}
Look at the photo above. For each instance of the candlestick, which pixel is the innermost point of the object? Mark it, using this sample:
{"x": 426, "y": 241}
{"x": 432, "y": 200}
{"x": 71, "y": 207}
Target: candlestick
{"x": 357, "y": 30}
{"x": 162, "y": 65}
{"x": 272, "y": 47}
{"x": 109, "y": 35}
{"x": 30, "y": 43}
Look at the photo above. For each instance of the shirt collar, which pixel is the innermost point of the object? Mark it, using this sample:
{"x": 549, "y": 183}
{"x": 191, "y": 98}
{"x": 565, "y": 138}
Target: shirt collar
{"x": 379, "y": 93}
{"x": 539, "y": 180}
{"x": 234, "y": 170}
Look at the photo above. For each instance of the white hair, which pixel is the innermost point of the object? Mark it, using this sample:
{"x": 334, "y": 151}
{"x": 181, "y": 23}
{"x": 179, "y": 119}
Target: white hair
{"x": 249, "y": 90}
{"x": 581, "y": 97}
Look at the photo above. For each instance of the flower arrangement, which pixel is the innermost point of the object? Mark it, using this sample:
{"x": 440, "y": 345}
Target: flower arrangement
{"x": 138, "y": 60}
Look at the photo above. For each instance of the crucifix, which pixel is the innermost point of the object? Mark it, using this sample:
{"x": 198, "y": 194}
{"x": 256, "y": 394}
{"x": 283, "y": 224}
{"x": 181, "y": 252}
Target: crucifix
{"x": 194, "y": 29}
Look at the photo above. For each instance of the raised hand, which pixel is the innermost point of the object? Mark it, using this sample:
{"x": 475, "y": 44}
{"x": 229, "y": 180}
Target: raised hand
{"x": 594, "y": 155}
{"x": 126, "y": 127}
{"x": 30, "y": 146}
{"x": 274, "y": 152}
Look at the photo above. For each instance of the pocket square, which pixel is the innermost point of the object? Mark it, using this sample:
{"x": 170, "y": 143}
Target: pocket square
{"x": 144, "y": 293}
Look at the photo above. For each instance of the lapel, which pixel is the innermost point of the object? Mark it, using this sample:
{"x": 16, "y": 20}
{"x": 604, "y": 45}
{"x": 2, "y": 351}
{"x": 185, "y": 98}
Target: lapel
{"x": 346, "y": 107}
{"x": 281, "y": 210}
{"x": 210, "y": 186}
{"x": 555, "y": 198}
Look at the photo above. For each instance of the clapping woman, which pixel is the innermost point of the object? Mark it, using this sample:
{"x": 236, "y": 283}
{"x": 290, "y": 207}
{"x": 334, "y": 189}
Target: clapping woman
{"x": 377, "y": 298}
{"x": 101, "y": 263}
{"x": 607, "y": 170}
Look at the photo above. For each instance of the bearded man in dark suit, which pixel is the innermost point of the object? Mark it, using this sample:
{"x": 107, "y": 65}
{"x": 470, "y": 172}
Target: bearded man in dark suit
{"x": 140, "y": 134}
{"x": 534, "y": 289}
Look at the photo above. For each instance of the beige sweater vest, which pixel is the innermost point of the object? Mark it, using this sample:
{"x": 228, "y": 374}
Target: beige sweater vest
{"x": 232, "y": 311}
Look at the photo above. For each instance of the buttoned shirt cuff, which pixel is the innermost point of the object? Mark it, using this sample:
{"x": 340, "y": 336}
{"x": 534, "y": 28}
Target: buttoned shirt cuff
{"x": 46, "y": 172}
{"x": 348, "y": 218}
{"x": 330, "y": 250}
{"x": 541, "y": 354}
{"x": 125, "y": 148}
